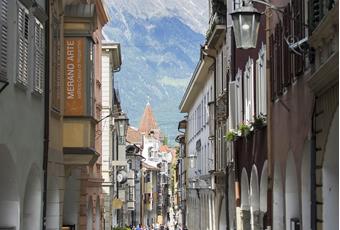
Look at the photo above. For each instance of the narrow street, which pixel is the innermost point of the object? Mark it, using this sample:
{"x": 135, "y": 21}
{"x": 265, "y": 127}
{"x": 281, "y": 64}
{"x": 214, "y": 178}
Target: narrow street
{"x": 169, "y": 114}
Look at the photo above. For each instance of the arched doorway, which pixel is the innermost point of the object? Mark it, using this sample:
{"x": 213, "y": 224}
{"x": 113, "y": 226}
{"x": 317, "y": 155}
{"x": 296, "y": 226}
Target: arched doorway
{"x": 254, "y": 200}
{"x": 72, "y": 198}
{"x": 263, "y": 195}
{"x": 231, "y": 201}
{"x": 306, "y": 187}
{"x": 89, "y": 214}
{"x": 32, "y": 200}
{"x": 98, "y": 214}
{"x": 9, "y": 194}
{"x": 245, "y": 207}
{"x": 53, "y": 203}
{"x": 291, "y": 191}
{"x": 330, "y": 177}
{"x": 278, "y": 213}
{"x": 223, "y": 215}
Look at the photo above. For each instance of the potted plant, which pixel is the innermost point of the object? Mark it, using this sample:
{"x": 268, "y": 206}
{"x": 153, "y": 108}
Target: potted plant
{"x": 231, "y": 135}
{"x": 259, "y": 121}
{"x": 244, "y": 129}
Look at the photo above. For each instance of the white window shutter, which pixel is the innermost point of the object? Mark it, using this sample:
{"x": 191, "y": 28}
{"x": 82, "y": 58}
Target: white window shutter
{"x": 249, "y": 91}
{"x": 23, "y": 38}
{"x": 263, "y": 97}
{"x": 39, "y": 57}
{"x": 261, "y": 83}
{"x": 233, "y": 104}
{"x": 239, "y": 97}
{"x": 3, "y": 38}
{"x": 258, "y": 87}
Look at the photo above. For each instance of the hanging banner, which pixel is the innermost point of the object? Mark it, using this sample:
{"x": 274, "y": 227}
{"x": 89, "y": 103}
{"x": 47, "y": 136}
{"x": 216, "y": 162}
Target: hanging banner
{"x": 117, "y": 204}
{"x": 74, "y": 76}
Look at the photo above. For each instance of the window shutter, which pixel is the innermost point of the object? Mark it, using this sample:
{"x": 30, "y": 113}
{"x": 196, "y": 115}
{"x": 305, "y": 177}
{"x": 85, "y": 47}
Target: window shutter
{"x": 249, "y": 91}
{"x": 239, "y": 97}
{"x": 263, "y": 85}
{"x": 23, "y": 37}
{"x": 3, "y": 41}
{"x": 39, "y": 56}
{"x": 298, "y": 12}
{"x": 233, "y": 104}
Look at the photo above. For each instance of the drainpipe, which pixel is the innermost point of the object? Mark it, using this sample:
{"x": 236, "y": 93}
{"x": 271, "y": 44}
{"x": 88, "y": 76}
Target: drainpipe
{"x": 313, "y": 172}
{"x": 214, "y": 59}
{"x": 46, "y": 110}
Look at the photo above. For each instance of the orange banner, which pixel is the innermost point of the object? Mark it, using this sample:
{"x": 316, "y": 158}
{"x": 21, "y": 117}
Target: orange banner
{"x": 74, "y": 76}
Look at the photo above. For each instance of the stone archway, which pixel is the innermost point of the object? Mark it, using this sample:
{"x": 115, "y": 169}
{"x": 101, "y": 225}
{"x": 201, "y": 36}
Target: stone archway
{"x": 53, "y": 203}
{"x": 32, "y": 200}
{"x": 223, "y": 214}
{"x": 278, "y": 214}
{"x": 291, "y": 191}
{"x": 263, "y": 195}
{"x": 245, "y": 206}
{"x": 330, "y": 177}
{"x": 254, "y": 198}
{"x": 9, "y": 193}
{"x": 306, "y": 187}
{"x": 72, "y": 198}
{"x": 98, "y": 214}
{"x": 89, "y": 223}
{"x": 231, "y": 201}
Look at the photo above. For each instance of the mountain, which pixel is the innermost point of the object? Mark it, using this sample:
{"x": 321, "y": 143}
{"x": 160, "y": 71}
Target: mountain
{"x": 160, "y": 47}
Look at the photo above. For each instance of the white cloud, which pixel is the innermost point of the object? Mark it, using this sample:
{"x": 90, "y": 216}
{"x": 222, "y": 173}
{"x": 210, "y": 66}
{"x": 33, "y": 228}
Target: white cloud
{"x": 193, "y": 13}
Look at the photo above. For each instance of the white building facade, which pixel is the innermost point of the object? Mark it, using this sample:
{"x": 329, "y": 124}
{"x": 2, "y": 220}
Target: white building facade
{"x": 201, "y": 210}
{"x": 111, "y": 61}
{"x": 22, "y": 114}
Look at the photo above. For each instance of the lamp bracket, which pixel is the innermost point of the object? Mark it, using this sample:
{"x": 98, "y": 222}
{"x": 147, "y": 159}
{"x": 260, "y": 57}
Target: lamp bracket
{"x": 298, "y": 47}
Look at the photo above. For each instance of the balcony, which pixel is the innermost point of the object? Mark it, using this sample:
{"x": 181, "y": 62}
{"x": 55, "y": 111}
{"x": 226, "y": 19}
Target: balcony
{"x": 217, "y": 30}
{"x": 79, "y": 141}
{"x": 324, "y": 40}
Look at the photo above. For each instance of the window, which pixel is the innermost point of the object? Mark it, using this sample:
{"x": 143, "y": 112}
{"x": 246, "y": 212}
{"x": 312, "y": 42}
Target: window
{"x": 261, "y": 98}
{"x": 3, "y": 41}
{"x": 204, "y": 110}
{"x": 23, "y": 43}
{"x": 235, "y": 101}
{"x": 248, "y": 79}
{"x": 56, "y": 63}
{"x": 39, "y": 56}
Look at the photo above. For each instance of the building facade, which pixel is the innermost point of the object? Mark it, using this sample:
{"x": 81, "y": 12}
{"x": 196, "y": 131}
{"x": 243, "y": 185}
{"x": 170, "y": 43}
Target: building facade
{"x": 22, "y": 73}
{"x": 111, "y": 62}
{"x": 83, "y": 24}
{"x": 200, "y": 148}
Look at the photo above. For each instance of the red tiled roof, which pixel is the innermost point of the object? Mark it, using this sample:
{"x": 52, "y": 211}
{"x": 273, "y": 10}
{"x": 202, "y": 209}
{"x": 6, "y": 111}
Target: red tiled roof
{"x": 133, "y": 136}
{"x": 164, "y": 149}
{"x": 148, "y": 121}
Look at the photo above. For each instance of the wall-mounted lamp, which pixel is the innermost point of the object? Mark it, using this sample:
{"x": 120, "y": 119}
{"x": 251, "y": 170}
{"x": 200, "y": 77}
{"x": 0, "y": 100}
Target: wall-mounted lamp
{"x": 246, "y": 22}
{"x": 122, "y": 126}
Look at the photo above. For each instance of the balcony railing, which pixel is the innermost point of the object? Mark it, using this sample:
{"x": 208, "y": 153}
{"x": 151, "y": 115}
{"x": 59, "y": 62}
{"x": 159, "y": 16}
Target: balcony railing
{"x": 217, "y": 24}
{"x": 318, "y": 10}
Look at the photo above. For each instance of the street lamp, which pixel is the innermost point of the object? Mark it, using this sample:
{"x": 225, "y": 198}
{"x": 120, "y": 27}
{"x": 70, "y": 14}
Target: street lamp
{"x": 122, "y": 126}
{"x": 246, "y": 21}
